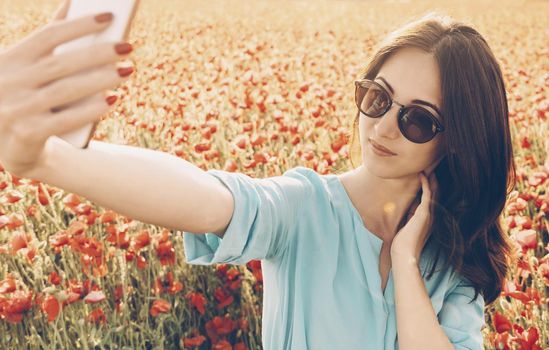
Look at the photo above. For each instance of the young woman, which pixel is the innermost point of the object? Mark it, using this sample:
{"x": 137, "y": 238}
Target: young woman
{"x": 348, "y": 260}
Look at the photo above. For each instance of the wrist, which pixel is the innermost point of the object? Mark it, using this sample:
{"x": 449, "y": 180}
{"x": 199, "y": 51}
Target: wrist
{"x": 404, "y": 262}
{"x": 49, "y": 161}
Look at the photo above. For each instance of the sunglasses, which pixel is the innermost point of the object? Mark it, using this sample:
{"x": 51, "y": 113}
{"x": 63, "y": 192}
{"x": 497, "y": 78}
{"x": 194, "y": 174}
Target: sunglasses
{"x": 416, "y": 123}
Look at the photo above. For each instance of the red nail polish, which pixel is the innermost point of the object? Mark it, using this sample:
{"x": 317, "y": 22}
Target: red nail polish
{"x": 111, "y": 99}
{"x": 103, "y": 17}
{"x": 123, "y": 48}
{"x": 124, "y": 72}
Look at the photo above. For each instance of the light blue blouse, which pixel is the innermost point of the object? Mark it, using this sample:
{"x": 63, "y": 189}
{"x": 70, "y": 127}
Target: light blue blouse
{"x": 322, "y": 287}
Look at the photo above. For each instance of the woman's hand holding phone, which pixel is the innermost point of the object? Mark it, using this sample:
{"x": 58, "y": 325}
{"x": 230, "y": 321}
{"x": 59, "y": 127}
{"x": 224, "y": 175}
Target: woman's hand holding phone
{"x": 35, "y": 83}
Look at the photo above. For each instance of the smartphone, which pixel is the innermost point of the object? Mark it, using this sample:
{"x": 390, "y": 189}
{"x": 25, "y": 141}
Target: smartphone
{"x": 124, "y": 12}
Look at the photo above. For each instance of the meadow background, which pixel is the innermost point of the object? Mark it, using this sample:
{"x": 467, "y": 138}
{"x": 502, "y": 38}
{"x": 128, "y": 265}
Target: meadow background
{"x": 256, "y": 87}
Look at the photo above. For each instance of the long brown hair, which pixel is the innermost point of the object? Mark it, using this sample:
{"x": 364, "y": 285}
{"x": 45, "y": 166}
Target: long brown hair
{"x": 478, "y": 171}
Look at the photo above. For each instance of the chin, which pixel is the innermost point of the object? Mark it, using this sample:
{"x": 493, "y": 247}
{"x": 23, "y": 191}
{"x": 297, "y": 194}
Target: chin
{"x": 388, "y": 168}
{"x": 385, "y": 168}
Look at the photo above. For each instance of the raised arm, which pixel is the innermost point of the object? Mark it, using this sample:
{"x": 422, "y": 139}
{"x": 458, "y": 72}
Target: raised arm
{"x": 150, "y": 186}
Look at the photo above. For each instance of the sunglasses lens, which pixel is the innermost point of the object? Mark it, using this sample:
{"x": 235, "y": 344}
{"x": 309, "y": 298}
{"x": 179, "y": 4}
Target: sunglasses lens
{"x": 417, "y": 125}
{"x": 370, "y": 99}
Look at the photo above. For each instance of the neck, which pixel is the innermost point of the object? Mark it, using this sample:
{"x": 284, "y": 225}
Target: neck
{"x": 383, "y": 202}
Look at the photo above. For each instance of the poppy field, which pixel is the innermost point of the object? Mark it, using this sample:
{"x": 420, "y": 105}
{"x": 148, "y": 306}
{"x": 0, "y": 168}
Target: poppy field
{"x": 256, "y": 87}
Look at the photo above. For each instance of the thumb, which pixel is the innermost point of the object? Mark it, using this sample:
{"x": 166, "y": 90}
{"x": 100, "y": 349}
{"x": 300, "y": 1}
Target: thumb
{"x": 62, "y": 10}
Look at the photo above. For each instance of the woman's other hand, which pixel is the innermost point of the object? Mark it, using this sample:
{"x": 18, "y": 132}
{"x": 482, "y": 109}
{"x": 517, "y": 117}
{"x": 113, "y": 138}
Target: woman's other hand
{"x": 408, "y": 243}
{"x": 34, "y": 83}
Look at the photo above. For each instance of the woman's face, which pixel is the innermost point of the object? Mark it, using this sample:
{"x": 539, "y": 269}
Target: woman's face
{"x": 412, "y": 74}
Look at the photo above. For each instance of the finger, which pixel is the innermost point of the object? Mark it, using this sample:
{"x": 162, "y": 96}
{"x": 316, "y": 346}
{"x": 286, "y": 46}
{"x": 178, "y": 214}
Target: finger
{"x": 89, "y": 110}
{"x": 62, "y": 10}
{"x": 426, "y": 193}
{"x": 43, "y": 41}
{"x": 71, "y": 89}
{"x": 413, "y": 208}
{"x": 425, "y": 207}
{"x": 433, "y": 186}
{"x": 55, "y": 67}
{"x": 433, "y": 183}
{"x": 67, "y": 90}
{"x": 76, "y": 87}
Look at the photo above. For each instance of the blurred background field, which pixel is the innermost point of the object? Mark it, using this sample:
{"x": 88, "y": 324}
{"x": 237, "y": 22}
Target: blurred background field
{"x": 256, "y": 87}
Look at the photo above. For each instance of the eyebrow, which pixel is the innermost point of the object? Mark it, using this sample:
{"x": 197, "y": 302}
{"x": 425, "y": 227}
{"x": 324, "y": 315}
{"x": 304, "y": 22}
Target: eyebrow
{"x": 413, "y": 101}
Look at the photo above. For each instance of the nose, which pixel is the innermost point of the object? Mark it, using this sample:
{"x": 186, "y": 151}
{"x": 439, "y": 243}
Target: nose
{"x": 387, "y": 125}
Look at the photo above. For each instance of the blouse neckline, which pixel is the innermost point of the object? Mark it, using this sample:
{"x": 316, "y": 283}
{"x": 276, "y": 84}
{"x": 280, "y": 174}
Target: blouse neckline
{"x": 378, "y": 241}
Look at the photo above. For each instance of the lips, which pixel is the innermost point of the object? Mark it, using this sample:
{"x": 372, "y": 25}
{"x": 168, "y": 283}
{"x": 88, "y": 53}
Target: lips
{"x": 382, "y": 148}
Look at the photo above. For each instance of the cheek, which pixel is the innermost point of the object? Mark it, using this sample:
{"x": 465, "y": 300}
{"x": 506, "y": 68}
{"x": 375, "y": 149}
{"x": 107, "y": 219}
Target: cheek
{"x": 365, "y": 129}
{"x": 422, "y": 157}
{"x": 411, "y": 156}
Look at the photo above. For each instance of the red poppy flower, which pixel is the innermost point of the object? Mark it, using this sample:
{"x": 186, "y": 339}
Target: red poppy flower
{"x": 166, "y": 253}
{"x": 141, "y": 262}
{"x": 94, "y": 297}
{"x": 118, "y": 239}
{"x": 11, "y": 221}
{"x": 7, "y": 285}
{"x": 222, "y": 345}
{"x": 191, "y": 342}
{"x": 223, "y": 297}
{"x": 19, "y": 241}
{"x": 58, "y": 240}
{"x": 97, "y": 316}
{"x": 198, "y": 301}
{"x": 501, "y": 323}
{"x": 54, "y": 278}
{"x": 224, "y": 325}
{"x": 12, "y": 309}
{"x": 50, "y": 305}
{"x": 160, "y": 306}
{"x": 141, "y": 240}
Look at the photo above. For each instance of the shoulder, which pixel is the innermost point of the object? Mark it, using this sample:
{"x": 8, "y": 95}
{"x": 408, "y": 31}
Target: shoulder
{"x": 316, "y": 184}
{"x": 295, "y": 186}
{"x": 303, "y": 173}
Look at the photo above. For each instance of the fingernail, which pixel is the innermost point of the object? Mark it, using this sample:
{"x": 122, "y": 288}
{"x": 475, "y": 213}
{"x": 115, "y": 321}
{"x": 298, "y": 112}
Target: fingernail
{"x": 124, "y": 72}
{"x": 123, "y": 48}
{"x": 103, "y": 17}
{"x": 111, "y": 99}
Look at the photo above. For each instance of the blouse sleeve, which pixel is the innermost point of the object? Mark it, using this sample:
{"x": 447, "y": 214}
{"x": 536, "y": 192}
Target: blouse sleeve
{"x": 463, "y": 321}
{"x": 265, "y": 214}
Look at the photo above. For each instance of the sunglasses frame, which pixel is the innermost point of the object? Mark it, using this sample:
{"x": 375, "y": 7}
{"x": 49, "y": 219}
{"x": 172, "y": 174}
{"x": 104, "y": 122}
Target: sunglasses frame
{"x": 402, "y": 110}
